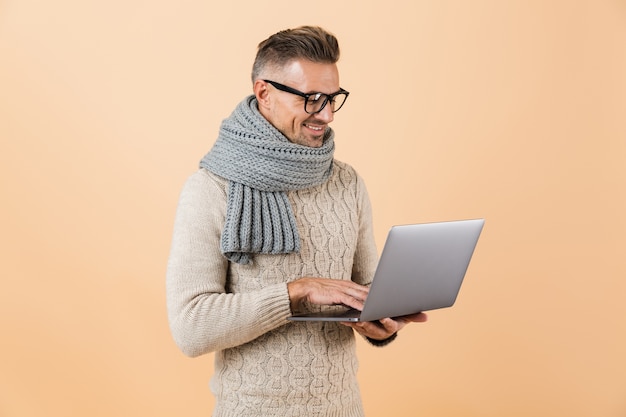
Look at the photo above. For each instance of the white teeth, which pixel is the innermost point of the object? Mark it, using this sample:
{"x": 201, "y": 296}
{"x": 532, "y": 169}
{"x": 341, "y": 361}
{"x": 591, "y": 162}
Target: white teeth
{"x": 314, "y": 127}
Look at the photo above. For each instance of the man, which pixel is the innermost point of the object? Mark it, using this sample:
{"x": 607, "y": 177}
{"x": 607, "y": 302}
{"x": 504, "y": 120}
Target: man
{"x": 269, "y": 225}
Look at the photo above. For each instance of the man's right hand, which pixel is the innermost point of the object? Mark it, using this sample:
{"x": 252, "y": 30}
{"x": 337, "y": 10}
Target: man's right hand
{"x": 326, "y": 291}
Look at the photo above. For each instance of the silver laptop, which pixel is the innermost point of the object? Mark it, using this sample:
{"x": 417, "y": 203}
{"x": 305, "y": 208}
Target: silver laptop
{"x": 421, "y": 268}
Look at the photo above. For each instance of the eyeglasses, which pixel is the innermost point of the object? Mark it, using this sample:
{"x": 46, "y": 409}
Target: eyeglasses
{"x": 315, "y": 102}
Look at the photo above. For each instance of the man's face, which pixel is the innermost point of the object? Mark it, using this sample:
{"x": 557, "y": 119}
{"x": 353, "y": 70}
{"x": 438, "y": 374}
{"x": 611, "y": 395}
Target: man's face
{"x": 285, "y": 111}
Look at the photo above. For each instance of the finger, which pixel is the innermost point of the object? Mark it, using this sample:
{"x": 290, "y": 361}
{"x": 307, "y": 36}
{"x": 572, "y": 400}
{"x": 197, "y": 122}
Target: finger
{"x": 415, "y": 318}
{"x": 352, "y": 302}
{"x": 378, "y": 330}
{"x": 352, "y": 296}
{"x": 390, "y": 325}
{"x": 355, "y": 290}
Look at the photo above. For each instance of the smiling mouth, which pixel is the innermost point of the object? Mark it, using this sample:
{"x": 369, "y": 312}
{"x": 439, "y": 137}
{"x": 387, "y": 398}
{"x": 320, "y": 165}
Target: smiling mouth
{"x": 315, "y": 128}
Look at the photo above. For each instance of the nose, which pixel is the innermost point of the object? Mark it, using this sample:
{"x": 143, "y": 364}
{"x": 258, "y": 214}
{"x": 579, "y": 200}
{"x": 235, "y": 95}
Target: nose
{"x": 326, "y": 115}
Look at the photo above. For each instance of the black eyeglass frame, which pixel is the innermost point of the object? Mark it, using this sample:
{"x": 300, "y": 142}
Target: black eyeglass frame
{"x": 327, "y": 97}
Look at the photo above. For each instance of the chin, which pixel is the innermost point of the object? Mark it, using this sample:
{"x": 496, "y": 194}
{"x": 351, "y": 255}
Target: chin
{"x": 316, "y": 143}
{"x": 311, "y": 142}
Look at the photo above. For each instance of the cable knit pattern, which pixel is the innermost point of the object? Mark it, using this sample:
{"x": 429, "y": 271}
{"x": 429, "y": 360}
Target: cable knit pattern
{"x": 264, "y": 364}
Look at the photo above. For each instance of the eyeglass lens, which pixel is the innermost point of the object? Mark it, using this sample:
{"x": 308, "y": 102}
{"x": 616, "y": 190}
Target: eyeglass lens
{"x": 317, "y": 102}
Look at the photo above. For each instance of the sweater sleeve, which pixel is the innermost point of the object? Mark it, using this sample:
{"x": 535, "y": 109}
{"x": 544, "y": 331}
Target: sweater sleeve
{"x": 366, "y": 255}
{"x": 203, "y": 315}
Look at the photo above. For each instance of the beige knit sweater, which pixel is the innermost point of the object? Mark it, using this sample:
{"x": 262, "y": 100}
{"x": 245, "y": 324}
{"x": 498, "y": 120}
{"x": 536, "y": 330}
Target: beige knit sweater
{"x": 264, "y": 364}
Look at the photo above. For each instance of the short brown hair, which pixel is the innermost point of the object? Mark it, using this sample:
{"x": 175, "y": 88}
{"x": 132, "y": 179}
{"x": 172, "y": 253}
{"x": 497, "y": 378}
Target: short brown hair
{"x": 305, "y": 42}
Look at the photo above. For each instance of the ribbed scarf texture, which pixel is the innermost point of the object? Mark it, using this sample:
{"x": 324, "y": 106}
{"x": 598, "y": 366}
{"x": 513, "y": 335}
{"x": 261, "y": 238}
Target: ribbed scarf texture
{"x": 261, "y": 164}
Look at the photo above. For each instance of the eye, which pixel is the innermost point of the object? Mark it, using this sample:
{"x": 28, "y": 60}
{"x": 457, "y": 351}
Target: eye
{"x": 315, "y": 97}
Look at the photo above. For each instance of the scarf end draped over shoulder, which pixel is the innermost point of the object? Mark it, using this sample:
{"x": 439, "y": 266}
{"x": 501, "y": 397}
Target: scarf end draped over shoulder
{"x": 261, "y": 165}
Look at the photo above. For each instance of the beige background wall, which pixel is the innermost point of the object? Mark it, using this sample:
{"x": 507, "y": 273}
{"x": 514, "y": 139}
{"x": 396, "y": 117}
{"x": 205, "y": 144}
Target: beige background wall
{"x": 508, "y": 110}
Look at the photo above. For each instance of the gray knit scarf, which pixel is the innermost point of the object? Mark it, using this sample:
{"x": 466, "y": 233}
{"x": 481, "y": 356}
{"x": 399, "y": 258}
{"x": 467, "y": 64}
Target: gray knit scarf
{"x": 261, "y": 164}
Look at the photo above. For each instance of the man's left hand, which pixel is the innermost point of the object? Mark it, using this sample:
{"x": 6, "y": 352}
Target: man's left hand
{"x": 384, "y": 328}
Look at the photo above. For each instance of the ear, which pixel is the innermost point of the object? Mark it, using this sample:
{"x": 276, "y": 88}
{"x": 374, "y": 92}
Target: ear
{"x": 262, "y": 93}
